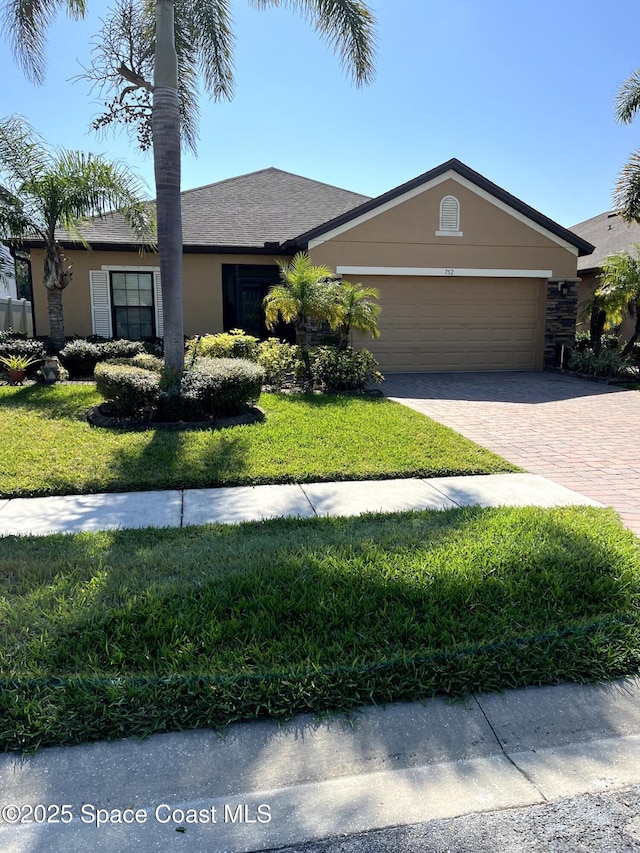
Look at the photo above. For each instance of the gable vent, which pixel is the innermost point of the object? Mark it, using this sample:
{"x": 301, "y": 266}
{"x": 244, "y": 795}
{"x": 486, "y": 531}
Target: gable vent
{"x": 449, "y": 214}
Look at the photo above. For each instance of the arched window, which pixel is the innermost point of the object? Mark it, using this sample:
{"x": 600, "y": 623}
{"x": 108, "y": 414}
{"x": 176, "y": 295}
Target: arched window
{"x": 449, "y": 217}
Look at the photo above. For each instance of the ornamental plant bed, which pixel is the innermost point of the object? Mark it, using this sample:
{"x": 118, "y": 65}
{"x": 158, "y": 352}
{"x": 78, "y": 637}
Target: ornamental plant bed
{"x": 99, "y": 416}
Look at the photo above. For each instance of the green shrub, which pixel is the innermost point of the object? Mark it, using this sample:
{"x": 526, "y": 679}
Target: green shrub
{"x": 80, "y": 357}
{"x": 128, "y": 390}
{"x": 219, "y": 387}
{"x": 343, "y": 370}
{"x": 609, "y": 363}
{"x": 148, "y": 362}
{"x": 583, "y": 342}
{"x": 122, "y": 349}
{"x": 233, "y": 344}
{"x": 15, "y": 343}
{"x": 280, "y": 361}
{"x": 154, "y": 346}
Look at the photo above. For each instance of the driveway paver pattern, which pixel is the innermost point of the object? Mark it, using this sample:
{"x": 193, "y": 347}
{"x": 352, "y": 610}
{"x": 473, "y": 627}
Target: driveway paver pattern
{"x": 583, "y": 435}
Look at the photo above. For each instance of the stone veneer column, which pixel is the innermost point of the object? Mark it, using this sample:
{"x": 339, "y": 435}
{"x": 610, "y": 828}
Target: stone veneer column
{"x": 561, "y": 318}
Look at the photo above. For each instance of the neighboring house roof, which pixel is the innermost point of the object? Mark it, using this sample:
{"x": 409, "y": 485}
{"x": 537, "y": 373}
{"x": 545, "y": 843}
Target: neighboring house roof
{"x": 456, "y": 167}
{"x": 268, "y": 206}
{"x": 610, "y": 234}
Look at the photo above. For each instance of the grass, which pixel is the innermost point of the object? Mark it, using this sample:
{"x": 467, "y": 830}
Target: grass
{"x": 124, "y": 633}
{"x": 47, "y": 447}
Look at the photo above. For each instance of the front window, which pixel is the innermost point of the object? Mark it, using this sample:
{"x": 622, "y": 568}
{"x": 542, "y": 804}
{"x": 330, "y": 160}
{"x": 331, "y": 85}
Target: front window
{"x": 132, "y": 302}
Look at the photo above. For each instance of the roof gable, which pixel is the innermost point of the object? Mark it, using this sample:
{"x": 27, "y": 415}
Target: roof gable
{"x": 459, "y": 172}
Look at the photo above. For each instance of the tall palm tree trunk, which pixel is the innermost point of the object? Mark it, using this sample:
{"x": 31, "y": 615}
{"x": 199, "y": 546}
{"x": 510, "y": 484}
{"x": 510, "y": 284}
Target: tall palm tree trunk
{"x": 56, "y": 278}
{"x": 166, "y": 161}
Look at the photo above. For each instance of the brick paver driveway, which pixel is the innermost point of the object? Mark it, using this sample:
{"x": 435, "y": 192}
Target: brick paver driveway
{"x": 583, "y": 435}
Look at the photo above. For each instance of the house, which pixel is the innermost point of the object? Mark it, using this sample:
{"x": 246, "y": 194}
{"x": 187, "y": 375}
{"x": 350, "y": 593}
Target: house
{"x": 609, "y": 234}
{"x": 470, "y": 277}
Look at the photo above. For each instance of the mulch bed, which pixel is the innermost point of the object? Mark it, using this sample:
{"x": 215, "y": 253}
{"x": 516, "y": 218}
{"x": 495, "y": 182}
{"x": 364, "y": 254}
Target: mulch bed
{"x": 97, "y": 417}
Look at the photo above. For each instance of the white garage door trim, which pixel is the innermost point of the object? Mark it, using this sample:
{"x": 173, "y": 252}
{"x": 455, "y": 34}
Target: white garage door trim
{"x": 444, "y": 272}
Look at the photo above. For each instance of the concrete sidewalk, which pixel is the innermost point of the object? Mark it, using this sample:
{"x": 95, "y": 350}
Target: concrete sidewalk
{"x": 180, "y": 508}
{"x": 264, "y": 785}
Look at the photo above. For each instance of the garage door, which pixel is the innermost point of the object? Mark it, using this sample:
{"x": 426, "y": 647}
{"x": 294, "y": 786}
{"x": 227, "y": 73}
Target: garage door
{"x": 459, "y": 323}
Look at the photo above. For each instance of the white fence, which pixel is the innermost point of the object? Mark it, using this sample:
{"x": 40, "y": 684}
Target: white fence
{"x": 16, "y": 314}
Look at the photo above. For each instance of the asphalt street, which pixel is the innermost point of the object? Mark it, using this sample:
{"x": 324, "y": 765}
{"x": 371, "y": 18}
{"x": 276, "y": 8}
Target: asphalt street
{"x": 606, "y": 822}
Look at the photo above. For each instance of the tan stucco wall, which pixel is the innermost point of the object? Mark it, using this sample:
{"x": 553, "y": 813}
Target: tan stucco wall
{"x": 405, "y": 236}
{"x": 202, "y": 285}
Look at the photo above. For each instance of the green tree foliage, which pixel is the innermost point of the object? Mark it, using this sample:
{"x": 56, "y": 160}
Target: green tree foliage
{"x": 306, "y": 293}
{"x": 618, "y": 292}
{"x": 43, "y": 190}
{"x": 359, "y": 312}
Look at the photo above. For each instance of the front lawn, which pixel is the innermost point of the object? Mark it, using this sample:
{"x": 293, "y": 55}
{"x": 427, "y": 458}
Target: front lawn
{"x": 47, "y": 447}
{"x": 124, "y": 633}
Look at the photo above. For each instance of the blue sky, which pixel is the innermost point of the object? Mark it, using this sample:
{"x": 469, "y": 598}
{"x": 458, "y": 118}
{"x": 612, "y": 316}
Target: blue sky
{"x": 521, "y": 92}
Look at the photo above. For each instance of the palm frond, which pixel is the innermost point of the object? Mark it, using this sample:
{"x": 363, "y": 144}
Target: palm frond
{"x": 90, "y": 186}
{"x": 347, "y": 26}
{"x": 26, "y": 22}
{"x": 626, "y": 195}
{"x": 208, "y": 27}
{"x": 628, "y": 99}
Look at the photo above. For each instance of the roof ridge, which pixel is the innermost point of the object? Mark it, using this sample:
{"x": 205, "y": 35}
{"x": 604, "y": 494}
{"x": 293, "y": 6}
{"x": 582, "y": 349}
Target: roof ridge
{"x": 271, "y": 169}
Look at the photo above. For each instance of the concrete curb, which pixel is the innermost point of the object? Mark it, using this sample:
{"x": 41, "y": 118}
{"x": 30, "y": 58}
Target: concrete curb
{"x": 270, "y": 785}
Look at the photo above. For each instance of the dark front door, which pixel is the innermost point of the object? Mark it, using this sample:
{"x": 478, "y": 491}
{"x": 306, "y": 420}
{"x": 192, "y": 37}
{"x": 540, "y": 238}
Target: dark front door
{"x": 244, "y": 287}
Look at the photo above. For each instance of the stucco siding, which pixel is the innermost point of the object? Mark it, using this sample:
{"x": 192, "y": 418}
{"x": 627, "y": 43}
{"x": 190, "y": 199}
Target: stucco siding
{"x": 202, "y": 277}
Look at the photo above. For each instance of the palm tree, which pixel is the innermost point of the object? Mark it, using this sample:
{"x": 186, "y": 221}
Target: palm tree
{"x": 626, "y": 197}
{"x": 347, "y": 25}
{"x": 41, "y": 191}
{"x": 360, "y": 313}
{"x": 618, "y": 293}
{"x": 305, "y": 293}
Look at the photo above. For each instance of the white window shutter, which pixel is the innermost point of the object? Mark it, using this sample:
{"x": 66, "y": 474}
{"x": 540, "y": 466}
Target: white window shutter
{"x": 100, "y": 303}
{"x": 157, "y": 287}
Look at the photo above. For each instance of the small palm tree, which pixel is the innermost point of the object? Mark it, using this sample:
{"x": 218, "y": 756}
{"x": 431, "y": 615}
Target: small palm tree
{"x": 41, "y": 191}
{"x": 359, "y": 312}
{"x": 618, "y": 292}
{"x": 305, "y": 293}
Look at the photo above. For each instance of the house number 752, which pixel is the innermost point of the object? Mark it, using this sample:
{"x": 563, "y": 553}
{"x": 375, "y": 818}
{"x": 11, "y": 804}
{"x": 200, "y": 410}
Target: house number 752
{"x": 448, "y": 272}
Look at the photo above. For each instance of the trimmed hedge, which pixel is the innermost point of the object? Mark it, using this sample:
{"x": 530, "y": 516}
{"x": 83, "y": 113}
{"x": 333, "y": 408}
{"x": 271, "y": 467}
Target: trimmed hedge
{"x": 80, "y": 357}
{"x": 211, "y": 387}
{"x": 148, "y": 362}
{"x": 215, "y": 387}
{"x": 128, "y": 390}
{"x": 15, "y": 343}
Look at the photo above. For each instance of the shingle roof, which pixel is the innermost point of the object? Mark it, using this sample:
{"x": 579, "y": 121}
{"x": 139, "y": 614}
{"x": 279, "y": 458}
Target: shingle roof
{"x": 268, "y": 209}
{"x": 609, "y": 233}
{"x": 268, "y": 206}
